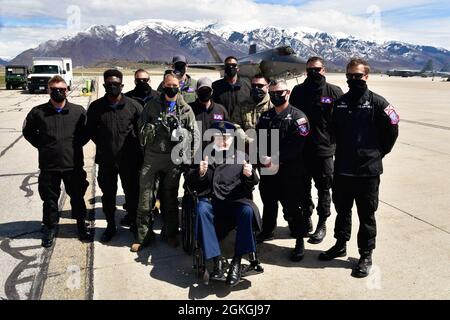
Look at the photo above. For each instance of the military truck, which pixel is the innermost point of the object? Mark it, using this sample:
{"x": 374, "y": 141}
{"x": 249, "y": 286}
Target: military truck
{"x": 16, "y": 77}
{"x": 46, "y": 68}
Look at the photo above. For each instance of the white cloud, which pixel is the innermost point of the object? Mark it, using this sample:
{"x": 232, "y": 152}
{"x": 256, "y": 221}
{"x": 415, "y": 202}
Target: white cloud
{"x": 349, "y": 17}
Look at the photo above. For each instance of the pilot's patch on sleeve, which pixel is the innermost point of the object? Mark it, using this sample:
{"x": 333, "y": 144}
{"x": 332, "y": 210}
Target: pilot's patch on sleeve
{"x": 303, "y": 127}
{"x": 390, "y": 111}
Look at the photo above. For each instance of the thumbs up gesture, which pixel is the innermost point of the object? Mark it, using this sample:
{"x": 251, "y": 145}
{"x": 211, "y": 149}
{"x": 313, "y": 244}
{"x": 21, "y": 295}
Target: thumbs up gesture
{"x": 248, "y": 169}
{"x": 203, "y": 167}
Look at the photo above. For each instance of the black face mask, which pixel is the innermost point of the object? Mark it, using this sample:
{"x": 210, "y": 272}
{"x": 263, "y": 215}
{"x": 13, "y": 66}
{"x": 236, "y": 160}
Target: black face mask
{"x": 277, "y": 99}
{"x": 357, "y": 87}
{"x": 143, "y": 88}
{"x": 258, "y": 94}
{"x": 315, "y": 79}
{"x": 58, "y": 95}
{"x": 230, "y": 71}
{"x": 113, "y": 90}
{"x": 179, "y": 70}
{"x": 204, "y": 95}
{"x": 171, "y": 92}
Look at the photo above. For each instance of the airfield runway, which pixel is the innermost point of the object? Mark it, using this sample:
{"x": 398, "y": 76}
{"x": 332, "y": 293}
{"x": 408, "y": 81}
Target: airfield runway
{"x": 412, "y": 259}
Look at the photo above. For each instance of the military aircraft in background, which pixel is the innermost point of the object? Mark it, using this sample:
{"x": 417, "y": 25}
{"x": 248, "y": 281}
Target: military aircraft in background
{"x": 427, "y": 71}
{"x": 281, "y": 62}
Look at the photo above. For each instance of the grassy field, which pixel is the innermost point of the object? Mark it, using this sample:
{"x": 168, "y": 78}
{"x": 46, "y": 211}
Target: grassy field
{"x": 2, "y": 81}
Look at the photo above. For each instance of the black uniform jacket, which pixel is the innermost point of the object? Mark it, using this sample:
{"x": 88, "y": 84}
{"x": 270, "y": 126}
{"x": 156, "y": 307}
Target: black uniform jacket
{"x": 365, "y": 131}
{"x": 58, "y": 136}
{"x": 226, "y": 182}
{"x": 317, "y": 104}
{"x": 140, "y": 98}
{"x": 293, "y": 128}
{"x": 231, "y": 96}
{"x": 114, "y": 130}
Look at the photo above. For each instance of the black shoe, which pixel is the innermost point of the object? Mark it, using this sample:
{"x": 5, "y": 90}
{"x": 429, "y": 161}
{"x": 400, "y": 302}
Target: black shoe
{"x": 336, "y": 251}
{"x": 218, "y": 273}
{"x": 125, "y": 221}
{"x": 83, "y": 233}
{"x": 321, "y": 231}
{"x": 109, "y": 233}
{"x": 48, "y": 237}
{"x": 234, "y": 273}
{"x": 309, "y": 226}
{"x": 265, "y": 236}
{"x": 299, "y": 251}
{"x": 362, "y": 270}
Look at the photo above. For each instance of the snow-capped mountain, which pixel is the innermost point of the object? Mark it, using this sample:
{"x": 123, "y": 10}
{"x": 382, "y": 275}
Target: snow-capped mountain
{"x": 159, "y": 40}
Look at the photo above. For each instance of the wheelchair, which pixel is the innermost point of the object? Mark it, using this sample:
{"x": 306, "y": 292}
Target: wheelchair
{"x": 192, "y": 247}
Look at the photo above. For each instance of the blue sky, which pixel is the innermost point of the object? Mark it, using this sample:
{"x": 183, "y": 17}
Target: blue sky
{"x": 26, "y": 23}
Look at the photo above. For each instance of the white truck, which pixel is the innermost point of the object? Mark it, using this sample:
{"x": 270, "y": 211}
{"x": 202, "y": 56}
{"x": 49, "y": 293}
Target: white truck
{"x": 45, "y": 68}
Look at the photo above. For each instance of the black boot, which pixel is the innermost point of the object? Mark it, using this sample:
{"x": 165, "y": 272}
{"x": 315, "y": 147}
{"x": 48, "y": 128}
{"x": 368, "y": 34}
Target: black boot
{"x": 338, "y": 250}
{"x": 48, "y": 237}
{"x": 234, "y": 273}
{"x": 320, "y": 233}
{"x": 308, "y": 225}
{"x": 218, "y": 273}
{"x": 83, "y": 233}
{"x": 299, "y": 251}
{"x": 109, "y": 233}
{"x": 362, "y": 270}
{"x": 265, "y": 236}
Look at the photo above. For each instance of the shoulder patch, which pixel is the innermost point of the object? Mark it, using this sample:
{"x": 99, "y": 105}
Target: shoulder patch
{"x": 393, "y": 115}
{"x": 303, "y": 127}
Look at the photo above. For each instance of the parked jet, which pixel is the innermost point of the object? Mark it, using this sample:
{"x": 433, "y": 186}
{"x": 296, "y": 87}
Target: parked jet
{"x": 281, "y": 62}
{"x": 427, "y": 71}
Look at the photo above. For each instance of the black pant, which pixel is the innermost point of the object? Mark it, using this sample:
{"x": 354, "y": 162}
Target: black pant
{"x": 364, "y": 191}
{"x": 285, "y": 187}
{"x": 50, "y": 189}
{"x": 107, "y": 180}
{"x": 319, "y": 169}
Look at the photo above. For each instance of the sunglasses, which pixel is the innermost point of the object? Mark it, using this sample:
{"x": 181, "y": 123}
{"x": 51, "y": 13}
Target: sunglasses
{"x": 357, "y": 76}
{"x": 279, "y": 92}
{"x": 58, "y": 89}
{"x": 313, "y": 70}
{"x": 258, "y": 85}
{"x": 143, "y": 80}
{"x": 232, "y": 65}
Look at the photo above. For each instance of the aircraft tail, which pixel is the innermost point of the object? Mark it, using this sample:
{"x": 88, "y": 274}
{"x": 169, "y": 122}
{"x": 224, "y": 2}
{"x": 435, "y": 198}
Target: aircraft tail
{"x": 428, "y": 66}
{"x": 252, "y": 49}
{"x": 214, "y": 53}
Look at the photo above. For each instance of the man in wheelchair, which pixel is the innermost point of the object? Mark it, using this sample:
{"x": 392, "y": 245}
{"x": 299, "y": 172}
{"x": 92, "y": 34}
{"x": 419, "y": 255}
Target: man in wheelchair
{"x": 224, "y": 183}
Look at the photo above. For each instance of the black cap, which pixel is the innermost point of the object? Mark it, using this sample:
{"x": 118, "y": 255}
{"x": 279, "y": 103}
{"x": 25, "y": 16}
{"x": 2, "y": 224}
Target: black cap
{"x": 179, "y": 58}
{"x": 225, "y": 127}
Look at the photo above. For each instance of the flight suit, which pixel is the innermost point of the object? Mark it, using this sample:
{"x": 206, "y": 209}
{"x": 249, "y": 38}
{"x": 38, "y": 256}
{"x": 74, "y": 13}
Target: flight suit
{"x": 157, "y": 125}
{"x": 59, "y": 136}
{"x": 366, "y": 130}
{"x": 286, "y": 185}
{"x": 317, "y": 103}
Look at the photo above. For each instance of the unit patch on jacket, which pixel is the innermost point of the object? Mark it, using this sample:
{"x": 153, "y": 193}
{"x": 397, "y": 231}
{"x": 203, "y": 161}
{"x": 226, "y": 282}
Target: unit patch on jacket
{"x": 303, "y": 127}
{"x": 390, "y": 111}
